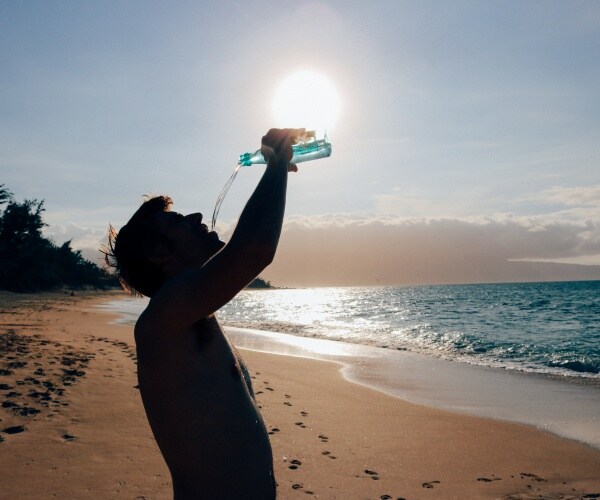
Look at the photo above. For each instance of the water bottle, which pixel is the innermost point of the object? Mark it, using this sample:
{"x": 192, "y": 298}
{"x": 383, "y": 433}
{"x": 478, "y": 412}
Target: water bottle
{"x": 308, "y": 149}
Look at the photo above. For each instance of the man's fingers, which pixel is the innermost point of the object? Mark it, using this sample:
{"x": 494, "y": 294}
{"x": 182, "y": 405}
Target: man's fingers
{"x": 266, "y": 151}
{"x": 279, "y": 142}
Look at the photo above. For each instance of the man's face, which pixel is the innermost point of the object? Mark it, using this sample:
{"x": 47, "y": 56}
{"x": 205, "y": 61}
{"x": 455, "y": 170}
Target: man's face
{"x": 192, "y": 243}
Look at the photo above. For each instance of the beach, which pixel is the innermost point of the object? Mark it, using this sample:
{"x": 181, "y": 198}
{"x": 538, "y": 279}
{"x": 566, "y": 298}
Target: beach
{"x": 72, "y": 424}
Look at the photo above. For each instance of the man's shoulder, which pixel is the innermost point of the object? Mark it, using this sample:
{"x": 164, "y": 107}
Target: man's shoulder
{"x": 143, "y": 321}
{"x": 153, "y": 321}
{"x": 156, "y": 311}
{"x": 143, "y": 325}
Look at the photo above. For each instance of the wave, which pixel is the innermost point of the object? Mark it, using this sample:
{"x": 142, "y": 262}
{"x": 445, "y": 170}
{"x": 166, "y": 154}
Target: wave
{"x": 451, "y": 347}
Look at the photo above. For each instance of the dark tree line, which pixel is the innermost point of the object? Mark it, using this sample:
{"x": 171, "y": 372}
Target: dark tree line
{"x": 259, "y": 283}
{"x": 29, "y": 262}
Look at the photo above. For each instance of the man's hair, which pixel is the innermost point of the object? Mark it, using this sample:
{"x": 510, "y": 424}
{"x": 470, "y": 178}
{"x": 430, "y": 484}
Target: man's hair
{"x": 128, "y": 250}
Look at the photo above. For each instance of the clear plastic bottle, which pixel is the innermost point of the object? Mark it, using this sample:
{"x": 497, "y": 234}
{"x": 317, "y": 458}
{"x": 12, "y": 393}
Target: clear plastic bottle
{"x": 306, "y": 150}
{"x": 309, "y": 148}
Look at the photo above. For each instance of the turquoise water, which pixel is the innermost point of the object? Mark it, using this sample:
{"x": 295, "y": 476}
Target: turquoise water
{"x": 551, "y": 328}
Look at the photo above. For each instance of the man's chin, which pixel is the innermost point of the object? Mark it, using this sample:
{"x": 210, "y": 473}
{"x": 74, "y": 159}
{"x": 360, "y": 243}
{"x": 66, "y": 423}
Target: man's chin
{"x": 217, "y": 241}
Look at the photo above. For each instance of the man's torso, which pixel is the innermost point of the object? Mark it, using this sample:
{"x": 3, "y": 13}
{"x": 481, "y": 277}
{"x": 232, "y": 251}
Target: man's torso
{"x": 201, "y": 410}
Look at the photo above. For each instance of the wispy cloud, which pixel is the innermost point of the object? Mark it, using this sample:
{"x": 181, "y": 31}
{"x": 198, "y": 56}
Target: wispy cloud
{"x": 574, "y": 196}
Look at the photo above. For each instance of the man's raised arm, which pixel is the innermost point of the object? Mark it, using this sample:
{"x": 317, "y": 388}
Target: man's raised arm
{"x": 197, "y": 293}
{"x": 259, "y": 227}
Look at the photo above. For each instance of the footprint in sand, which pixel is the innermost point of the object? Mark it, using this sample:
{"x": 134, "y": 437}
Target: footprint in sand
{"x": 304, "y": 413}
{"x": 430, "y": 484}
{"x": 298, "y": 486}
{"x": 372, "y": 474}
{"x": 489, "y": 479}
{"x": 534, "y": 477}
{"x": 287, "y": 403}
{"x": 15, "y": 429}
{"x": 323, "y": 438}
{"x": 17, "y": 364}
{"x": 328, "y": 454}
{"x": 294, "y": 464}
{"x": 44, "y": 383}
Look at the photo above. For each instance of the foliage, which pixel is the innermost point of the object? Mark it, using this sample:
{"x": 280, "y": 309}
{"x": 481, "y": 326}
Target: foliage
{"x": 29, "y": 262}
{"x": 259, "y": 283}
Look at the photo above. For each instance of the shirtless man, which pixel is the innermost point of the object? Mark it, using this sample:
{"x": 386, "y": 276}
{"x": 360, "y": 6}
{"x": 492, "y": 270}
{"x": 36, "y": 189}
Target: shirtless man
{"x": 196, "y": 391}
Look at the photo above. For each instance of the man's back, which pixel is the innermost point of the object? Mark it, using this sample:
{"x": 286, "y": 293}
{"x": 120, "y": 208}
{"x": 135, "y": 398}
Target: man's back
{"x": 202, "y": 413}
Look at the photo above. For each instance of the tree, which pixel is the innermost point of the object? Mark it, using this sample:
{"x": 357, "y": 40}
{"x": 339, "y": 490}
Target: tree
{"x": 5, "y": 194}
{"x": 259, "y": 283}
{"x": 30, "y": 262}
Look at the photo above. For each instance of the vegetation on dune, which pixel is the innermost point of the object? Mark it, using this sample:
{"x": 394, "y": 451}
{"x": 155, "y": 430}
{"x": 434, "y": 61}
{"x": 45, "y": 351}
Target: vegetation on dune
{"x": 259, "y": 283}
{"x": 29, "y": 262}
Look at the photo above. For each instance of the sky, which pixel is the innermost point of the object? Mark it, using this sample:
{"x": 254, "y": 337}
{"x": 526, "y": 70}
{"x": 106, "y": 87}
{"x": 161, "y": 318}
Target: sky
{"x": 467, "y": 147}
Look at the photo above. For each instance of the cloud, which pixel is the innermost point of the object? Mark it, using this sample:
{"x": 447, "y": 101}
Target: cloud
{"x": 354, "y": 250}
{"x": 87, "y": 239}
{"x": 361, "y": 249}
{"x": 576, "y": 196}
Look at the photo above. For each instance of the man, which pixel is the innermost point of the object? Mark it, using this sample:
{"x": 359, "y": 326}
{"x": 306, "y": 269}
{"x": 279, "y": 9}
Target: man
{"x": 196, "y": 391}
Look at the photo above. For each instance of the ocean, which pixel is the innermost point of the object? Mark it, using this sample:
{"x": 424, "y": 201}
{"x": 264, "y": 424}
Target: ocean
{"x": 549, "y": 328}
{"x": 540, "y": 327}
{"x": 521, "y": 352}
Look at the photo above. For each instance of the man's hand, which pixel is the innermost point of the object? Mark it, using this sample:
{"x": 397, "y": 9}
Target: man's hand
{"x": 277, "y": 144}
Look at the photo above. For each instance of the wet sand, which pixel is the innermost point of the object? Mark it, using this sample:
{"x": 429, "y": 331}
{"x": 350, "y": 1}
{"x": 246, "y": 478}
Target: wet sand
{"x": 72, "y": 425}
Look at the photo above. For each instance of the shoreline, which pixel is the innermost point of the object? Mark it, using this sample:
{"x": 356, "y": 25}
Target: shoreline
{"x": 541, "y": 400}
{"x": 537, "y": 400}
{"x": 130, "y": 308}
{"x": 330, "y": 438}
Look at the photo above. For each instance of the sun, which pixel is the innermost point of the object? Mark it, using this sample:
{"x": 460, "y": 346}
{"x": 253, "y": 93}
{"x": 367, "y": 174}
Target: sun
{"x": 306, "y": 99}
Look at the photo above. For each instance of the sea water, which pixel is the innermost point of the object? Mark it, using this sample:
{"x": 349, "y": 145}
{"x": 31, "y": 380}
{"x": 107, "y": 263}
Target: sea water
{"x": 526, "y": 352}
{"x": 550, "y": 328}
{"x": 533, "y": 327}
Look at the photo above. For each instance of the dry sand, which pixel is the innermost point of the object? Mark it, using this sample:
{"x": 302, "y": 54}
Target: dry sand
{"x": 72, "y": 425}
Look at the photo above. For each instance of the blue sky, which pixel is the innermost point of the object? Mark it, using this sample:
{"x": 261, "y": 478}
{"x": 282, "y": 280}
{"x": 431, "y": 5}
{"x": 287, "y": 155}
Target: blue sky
{"x": 482, "y": 116}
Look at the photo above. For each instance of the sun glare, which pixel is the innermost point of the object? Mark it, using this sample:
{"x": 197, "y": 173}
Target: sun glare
{"x": 306, "y": 99}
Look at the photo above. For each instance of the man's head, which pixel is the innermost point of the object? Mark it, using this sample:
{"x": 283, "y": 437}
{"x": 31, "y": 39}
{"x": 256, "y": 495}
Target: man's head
{"x": 157, "y": 244}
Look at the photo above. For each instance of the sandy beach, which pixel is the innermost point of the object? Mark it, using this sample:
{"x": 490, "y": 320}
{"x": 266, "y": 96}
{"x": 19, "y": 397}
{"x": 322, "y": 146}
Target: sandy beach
{"x": 72, "y": 424}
